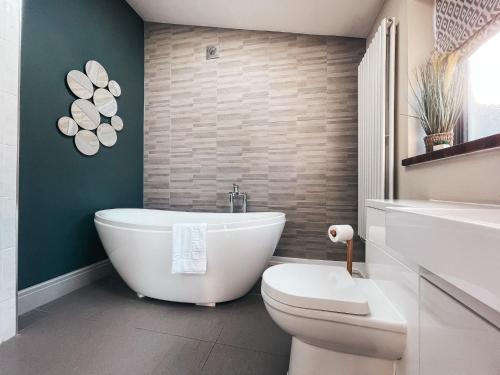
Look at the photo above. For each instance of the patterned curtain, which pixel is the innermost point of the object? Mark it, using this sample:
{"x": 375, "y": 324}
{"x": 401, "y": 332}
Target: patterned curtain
{"x": 465, "y": 24}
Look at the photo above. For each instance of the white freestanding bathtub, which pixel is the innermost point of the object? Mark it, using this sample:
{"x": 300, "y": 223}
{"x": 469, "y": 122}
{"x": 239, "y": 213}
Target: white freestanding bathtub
{"x": 139, "y": 245}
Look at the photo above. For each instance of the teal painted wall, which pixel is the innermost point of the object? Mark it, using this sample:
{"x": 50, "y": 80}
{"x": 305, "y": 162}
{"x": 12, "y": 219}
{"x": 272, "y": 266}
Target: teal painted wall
{"x": 59, "y": 188}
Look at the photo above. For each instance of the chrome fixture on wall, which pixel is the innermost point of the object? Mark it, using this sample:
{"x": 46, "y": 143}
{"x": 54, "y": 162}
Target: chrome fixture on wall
{"x": 237, "y": 195}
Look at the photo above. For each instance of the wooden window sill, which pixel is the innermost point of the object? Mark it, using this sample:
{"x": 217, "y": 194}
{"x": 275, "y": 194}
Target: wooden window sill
{"x": 464, "y": 148}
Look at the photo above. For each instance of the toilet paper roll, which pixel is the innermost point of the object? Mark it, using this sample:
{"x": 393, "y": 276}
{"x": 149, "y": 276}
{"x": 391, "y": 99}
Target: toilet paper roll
{"x": 342, "y": 233}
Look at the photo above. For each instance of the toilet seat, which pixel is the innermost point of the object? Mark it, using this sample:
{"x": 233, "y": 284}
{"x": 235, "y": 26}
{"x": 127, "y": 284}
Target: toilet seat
{"x": 382, "y": 314}
{"x": 326, "y": 288}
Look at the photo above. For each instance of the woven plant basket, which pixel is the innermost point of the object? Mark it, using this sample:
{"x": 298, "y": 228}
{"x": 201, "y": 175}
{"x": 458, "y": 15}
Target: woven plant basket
{"x": 436, "y": 139}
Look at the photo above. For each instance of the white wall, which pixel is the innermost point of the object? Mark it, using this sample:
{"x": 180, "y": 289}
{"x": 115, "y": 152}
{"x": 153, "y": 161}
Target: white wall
{"x": 9, "y": 108}
{"x": 471, "y": 177}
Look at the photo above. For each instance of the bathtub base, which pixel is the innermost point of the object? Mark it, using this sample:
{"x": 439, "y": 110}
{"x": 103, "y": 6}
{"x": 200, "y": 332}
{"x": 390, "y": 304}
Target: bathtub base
{"x": 209, "y": 304}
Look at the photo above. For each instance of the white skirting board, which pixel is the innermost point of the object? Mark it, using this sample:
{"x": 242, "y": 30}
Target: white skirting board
{"x": 358, "y": 268}
{"x": 37, "y": 295}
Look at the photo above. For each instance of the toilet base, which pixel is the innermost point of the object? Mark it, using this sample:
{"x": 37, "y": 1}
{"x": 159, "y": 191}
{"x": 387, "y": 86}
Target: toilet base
{"x": 306, "y": 359}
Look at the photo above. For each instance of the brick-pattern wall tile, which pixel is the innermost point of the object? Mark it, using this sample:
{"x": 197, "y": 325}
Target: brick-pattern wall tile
{"x": 276, "y": 113}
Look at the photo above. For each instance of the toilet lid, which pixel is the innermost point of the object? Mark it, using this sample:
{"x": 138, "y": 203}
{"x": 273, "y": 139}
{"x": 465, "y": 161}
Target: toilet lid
{"x": 317, "y": 287}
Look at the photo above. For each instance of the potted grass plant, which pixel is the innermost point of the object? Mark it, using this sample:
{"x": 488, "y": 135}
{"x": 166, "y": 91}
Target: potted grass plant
{"x": 439, "y": 99}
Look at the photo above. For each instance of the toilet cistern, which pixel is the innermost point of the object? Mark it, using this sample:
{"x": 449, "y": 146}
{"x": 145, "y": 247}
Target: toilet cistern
{"x": 237, "y": 195}
{"x": 344, "y": 234}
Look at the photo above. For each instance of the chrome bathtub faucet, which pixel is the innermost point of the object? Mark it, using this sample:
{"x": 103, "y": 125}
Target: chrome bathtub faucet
{"x": 236, "y": 195}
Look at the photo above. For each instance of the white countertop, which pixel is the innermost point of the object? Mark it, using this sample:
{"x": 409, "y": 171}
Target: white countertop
{"x": 384, "y": 204}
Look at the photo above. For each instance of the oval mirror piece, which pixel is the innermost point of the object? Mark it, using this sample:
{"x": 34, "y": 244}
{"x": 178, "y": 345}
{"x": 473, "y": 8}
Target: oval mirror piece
{"x": 106, "y": 135}
{"x": 67, "y": 126}
{"x": 86, "y": 142}
{"x": 97, "y": 74}
{"x": 80, "y": 84}
{"x": 105, "y": 102}
{"x": 85, "y": 114}
{"x": 117, "y": 123}
{"x": 114, "y": 88}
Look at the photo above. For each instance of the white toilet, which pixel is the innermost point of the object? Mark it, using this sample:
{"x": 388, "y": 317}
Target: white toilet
{"x": 340, "y": 325}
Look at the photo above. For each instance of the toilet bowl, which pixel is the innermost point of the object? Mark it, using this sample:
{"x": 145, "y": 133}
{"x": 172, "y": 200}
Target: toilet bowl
{"x": 339, "y": 325}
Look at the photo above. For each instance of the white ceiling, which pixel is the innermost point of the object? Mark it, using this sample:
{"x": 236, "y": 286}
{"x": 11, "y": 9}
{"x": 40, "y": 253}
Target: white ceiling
{"x": 353, "y": 18}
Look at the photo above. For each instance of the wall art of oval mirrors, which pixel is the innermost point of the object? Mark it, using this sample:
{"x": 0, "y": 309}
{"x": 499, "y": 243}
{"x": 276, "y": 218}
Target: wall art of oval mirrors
{"x": 106, "y": 135}
{"x": 94, "y": 118}
{"x": 86, "y": 142}
{"x": 80, "y": 84}
{"x": 67, "y": 126}
{"x": 105, "y": 102}
{"x": 117, "y": 123}
{"x": 114, "y": 88}
{"x": 85, "y": 114}
{"x": 97, "y": 74}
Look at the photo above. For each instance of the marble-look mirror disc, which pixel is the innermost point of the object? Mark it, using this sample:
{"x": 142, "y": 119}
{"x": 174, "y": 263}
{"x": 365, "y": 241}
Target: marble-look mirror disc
{"x": 114, "y": 88}
{"x": 86, "y": 142}
{"x": 80, "y": 84}
{"x": 67, "y": 126}
{"x": 105, "y": 102}
{"x": 117, "y": 123}
{"x": 97, "y": 74}
{"x": 85, "y": 114}
{"x": 107, "y": 135}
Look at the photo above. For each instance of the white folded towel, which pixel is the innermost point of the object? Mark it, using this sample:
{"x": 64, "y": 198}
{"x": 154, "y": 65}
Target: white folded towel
{"x": 189, "y": 248}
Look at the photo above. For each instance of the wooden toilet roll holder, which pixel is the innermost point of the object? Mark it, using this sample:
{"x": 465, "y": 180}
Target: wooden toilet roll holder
{"x": 350, "y": 247}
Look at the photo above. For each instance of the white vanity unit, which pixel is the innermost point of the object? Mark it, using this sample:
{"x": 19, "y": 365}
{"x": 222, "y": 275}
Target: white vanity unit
{"x": 439, "y": 263}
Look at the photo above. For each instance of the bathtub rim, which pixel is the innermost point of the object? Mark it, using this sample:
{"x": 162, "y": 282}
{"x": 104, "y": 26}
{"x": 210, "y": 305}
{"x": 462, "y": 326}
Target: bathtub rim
{"x": 273, "y": 218}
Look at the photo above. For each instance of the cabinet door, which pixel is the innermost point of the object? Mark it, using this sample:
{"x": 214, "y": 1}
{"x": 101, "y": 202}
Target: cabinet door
{"x": 400, "y": 285}
{"x": 454, "y": 340}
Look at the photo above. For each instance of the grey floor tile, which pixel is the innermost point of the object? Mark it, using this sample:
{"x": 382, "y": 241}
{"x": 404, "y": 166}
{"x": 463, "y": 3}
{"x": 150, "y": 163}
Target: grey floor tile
{"x": 91, "y": 300}
{"x": 14, "y": 360}
{"x": 251, "y": 327}
{"x": 203, "y": 323}
{"x": 29, "y": 318}
{"x": 66, "y": 347}
{"x": 256, "y": 288}
{"x": 185, "y": 358}
{"x": 105, "y": 329}
{"x": 138, "y": 352}
{"x": 228, "y": 360}
{"x": 187, "y": 320}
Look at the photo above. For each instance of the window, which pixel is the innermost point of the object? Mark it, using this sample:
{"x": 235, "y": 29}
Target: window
{"x": 479, "y": 127}
{"x": 483, "y": 95}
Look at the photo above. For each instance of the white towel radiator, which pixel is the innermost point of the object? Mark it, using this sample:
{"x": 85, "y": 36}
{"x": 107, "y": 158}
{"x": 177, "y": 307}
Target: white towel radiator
{"x": 376, "y": 80}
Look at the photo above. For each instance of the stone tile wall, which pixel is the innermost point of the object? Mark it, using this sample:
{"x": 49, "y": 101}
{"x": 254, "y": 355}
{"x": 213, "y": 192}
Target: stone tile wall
{"x": 275, "y": 113}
